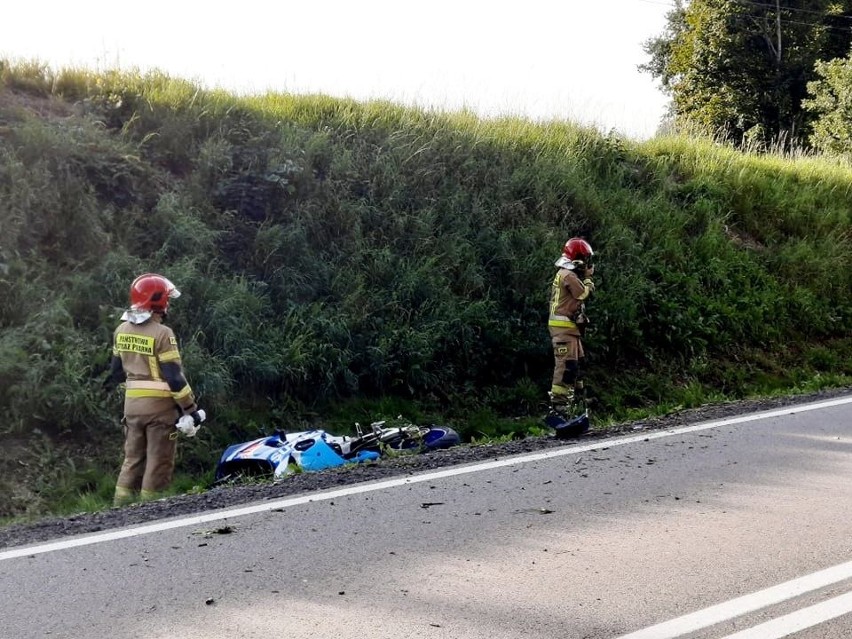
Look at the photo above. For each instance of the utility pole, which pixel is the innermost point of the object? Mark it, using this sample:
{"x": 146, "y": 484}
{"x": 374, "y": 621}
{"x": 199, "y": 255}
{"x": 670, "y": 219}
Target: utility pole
{"x": 778, "y": 32}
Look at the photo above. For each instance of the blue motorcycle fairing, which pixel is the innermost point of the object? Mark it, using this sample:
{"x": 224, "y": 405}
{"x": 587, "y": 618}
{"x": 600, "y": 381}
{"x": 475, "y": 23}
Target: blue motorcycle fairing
{"x": 278, "y": 453}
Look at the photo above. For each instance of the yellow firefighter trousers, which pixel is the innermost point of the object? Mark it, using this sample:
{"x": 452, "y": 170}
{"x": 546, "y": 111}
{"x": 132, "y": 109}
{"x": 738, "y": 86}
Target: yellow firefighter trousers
{"x": 149, "y": 453}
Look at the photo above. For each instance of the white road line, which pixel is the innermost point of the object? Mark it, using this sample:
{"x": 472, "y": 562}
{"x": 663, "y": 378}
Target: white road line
{"x": 195, "y": 520}
{"x": 799, "y": 620}
{"x": 746, "y": 604}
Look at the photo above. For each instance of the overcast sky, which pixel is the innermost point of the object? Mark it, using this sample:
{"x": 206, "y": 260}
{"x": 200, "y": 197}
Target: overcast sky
{"x": 563, "y": 59}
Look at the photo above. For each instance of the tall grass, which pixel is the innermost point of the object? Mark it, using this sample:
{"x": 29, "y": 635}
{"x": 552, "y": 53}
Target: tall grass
{"x": 338, "y": 254}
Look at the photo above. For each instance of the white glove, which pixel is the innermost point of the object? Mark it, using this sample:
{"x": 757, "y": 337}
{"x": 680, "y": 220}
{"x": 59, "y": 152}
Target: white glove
{"x": 189, "y": 424}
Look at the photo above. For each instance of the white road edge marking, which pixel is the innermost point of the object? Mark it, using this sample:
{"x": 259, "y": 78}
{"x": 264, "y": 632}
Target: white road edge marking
{"x": 799, "y": 620}
{"x": 195, "y": 520}
{"x": 744, "y": 605}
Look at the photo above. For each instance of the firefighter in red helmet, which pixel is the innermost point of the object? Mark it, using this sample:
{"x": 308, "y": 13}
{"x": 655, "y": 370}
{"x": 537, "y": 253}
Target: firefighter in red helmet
{"x": 572, "y": 286}
{"x": 158, "y": 400}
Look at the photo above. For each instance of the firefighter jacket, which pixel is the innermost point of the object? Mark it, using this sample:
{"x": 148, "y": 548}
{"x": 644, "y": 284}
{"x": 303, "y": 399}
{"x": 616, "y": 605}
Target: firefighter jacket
{"x": 567, "y": 296}
{"x": 149, "y": 356}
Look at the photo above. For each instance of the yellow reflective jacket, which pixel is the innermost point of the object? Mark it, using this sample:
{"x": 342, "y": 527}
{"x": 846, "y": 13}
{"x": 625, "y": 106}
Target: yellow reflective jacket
{"x": 146, "y": 350}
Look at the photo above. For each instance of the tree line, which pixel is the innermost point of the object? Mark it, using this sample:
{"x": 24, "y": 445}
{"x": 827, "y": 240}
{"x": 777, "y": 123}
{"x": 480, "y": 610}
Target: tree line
{"x": 766, "y": 74}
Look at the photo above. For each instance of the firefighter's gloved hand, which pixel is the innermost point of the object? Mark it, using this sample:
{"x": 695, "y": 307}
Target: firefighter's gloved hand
{"x": 189, "y": 424}
{"x": 589, "y": 284}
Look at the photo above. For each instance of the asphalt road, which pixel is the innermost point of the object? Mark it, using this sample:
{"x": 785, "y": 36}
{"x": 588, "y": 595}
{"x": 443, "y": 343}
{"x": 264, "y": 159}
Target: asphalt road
{"x": 730, "y": 529}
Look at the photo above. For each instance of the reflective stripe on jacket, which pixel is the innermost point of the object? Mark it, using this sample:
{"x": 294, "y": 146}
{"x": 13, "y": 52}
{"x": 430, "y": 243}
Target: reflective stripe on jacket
{"x": 140, "y": 388}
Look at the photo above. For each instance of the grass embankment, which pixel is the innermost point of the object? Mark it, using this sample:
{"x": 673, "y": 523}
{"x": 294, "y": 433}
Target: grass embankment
{"x": 344, "y": 261}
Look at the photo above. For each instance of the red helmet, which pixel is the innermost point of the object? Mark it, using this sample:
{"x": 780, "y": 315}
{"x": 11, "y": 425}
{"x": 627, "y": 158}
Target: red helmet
{"x": 151, "y": 292}
{"x": 578, "y": 250}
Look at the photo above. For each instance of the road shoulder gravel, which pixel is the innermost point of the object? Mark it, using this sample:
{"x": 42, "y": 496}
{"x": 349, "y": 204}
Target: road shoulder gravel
{"x": 229, "y": 496}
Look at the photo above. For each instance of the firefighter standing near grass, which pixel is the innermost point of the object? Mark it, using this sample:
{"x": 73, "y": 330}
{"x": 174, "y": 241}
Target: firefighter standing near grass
{"x": 571, "y": 287}
{"x": 158, "y": 400}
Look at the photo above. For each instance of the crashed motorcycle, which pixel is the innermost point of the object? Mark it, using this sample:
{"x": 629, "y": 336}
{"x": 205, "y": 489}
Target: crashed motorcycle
{"x": 282, "y": 453}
